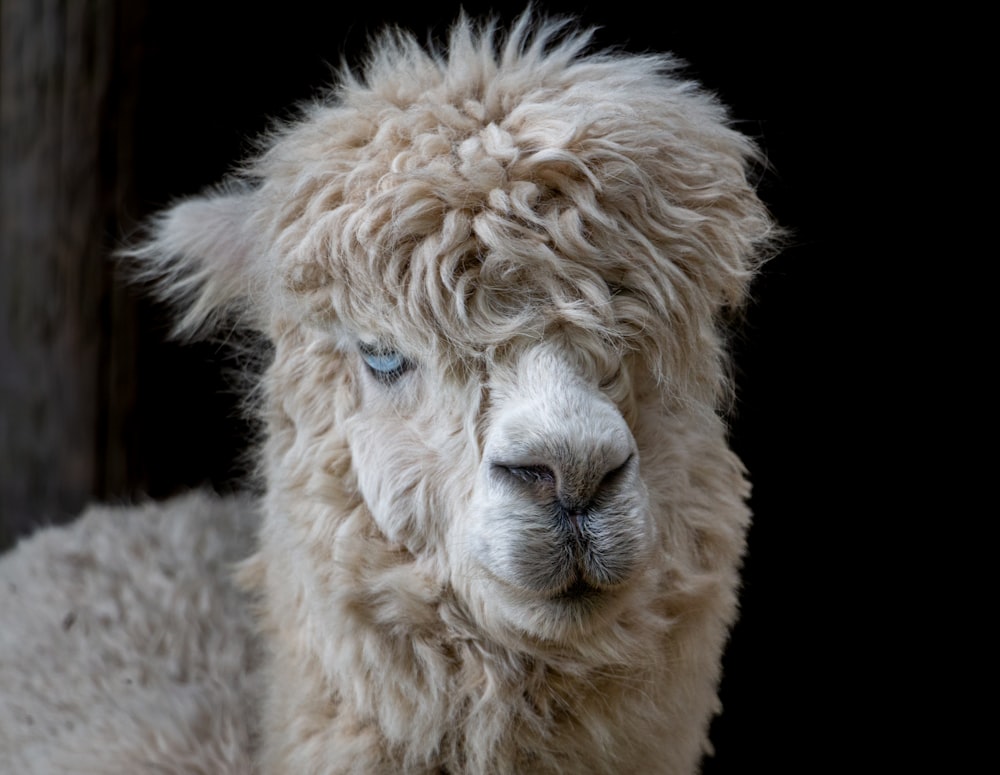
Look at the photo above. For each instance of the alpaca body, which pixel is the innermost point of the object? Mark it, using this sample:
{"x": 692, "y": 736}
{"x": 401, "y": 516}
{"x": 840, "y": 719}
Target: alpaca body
{"x": 502, "y": 528}
{"x": 125, "y": 645}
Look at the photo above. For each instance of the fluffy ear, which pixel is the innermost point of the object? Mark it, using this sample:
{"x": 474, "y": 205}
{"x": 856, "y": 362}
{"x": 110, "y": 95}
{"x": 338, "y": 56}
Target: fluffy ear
{"x": 200, "y": 255}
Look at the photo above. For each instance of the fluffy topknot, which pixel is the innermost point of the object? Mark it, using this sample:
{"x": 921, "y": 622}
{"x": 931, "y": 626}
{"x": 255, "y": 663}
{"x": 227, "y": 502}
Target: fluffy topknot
{"x": 504, "y": 185}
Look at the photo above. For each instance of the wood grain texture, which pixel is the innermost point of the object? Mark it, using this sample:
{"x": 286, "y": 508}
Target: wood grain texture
{"x": 66, "y": 328}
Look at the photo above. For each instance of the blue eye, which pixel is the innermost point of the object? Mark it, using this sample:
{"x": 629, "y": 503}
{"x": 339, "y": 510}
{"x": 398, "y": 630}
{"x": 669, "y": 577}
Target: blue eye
{"x": 385, "y": 365}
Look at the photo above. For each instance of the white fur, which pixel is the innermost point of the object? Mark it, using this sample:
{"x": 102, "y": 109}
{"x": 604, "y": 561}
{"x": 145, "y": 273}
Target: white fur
{"x": 125, "y": 648}
{"x": 520, "y": 551}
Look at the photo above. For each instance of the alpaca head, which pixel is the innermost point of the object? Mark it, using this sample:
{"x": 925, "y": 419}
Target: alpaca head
{"x": 495, "y": 278}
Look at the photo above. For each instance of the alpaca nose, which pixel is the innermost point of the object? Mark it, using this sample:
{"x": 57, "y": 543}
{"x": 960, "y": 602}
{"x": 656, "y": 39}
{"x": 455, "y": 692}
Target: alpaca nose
{"x": 576, "y": 475}
{"x": 557, "y": 440}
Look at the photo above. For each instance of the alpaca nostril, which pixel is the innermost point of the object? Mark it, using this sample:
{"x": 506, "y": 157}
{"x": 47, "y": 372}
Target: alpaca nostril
{"x": 532, "y": 474}
{"x": 579, "y": 494}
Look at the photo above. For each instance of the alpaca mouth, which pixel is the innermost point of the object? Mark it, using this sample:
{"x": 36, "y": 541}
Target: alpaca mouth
{"x": 570, "y": 571}
{"x": 579, "y": 590}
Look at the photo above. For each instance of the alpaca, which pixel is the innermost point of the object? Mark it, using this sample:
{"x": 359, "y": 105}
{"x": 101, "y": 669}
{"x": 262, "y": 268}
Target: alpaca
{"x": 502, "y": 527}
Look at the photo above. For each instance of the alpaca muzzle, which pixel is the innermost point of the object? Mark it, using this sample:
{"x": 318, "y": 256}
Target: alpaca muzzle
{"x": 564, "y": 505}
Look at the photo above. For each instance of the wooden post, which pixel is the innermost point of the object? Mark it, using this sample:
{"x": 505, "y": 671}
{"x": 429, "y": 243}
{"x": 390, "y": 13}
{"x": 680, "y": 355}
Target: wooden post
{"x": 66, "y": 327}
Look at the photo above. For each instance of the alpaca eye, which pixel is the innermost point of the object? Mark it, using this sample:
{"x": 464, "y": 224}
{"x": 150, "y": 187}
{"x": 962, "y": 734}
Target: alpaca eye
{"x": 385, "y": 365}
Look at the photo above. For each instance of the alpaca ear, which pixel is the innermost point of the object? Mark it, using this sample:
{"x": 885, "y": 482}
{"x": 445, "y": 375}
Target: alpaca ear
{"x": 200, "y": 256}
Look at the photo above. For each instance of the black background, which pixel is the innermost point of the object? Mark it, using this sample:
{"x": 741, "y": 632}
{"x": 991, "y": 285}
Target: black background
{"x": 212, "y": 77}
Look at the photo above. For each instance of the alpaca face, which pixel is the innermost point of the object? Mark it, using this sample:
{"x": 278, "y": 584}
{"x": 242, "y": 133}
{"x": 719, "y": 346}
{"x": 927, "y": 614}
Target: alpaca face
{"x": 521, "y": 479}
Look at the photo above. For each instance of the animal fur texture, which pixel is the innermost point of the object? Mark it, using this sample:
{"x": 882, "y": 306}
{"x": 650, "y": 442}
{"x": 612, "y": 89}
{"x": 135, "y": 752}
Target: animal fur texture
{"x": 502, "y": 528}
{"x": 125, "y": 646}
